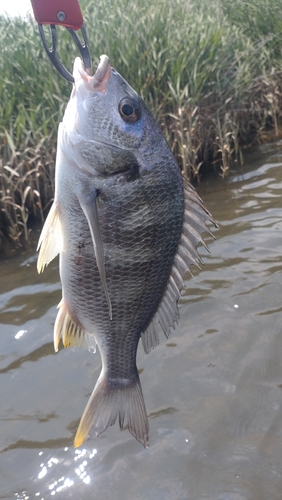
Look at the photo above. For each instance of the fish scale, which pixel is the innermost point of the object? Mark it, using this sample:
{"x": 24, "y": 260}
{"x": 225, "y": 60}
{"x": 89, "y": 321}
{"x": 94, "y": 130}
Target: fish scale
{"x": 126, "y": 226}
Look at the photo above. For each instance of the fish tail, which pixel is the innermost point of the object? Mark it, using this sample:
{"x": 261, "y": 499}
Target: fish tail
{"x": 110, "y": 400}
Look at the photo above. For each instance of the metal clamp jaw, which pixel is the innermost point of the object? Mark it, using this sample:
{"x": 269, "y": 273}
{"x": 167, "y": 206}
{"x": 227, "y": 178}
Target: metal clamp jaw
{"x": 65, "y": 13}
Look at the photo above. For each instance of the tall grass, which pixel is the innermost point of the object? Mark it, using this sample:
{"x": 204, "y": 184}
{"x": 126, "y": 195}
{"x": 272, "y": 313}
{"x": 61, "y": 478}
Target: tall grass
{"x": 210, "y": 70}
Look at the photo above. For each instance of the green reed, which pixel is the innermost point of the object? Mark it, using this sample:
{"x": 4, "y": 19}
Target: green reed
{"x": 210, "y": 70}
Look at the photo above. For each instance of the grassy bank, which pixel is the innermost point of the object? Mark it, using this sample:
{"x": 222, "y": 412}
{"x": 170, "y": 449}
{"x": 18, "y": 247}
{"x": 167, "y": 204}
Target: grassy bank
{"x": 210, "y": 70}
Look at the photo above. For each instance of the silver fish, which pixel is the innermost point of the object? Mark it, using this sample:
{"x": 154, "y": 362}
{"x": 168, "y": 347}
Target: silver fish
{"x": 126, "y": 226}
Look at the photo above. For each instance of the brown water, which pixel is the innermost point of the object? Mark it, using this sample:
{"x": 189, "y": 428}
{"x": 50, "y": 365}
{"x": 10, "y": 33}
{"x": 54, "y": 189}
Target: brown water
{"x": 213, "y": 391}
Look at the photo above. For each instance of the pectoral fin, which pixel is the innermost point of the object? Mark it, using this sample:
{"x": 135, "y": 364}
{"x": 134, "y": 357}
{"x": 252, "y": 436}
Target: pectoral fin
{"x": 89, "y": 207}
{"x": 50, "y": 241}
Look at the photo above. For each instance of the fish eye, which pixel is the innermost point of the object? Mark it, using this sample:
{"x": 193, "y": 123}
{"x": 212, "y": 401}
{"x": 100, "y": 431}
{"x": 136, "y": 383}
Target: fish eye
{"x": 129, "y": 110}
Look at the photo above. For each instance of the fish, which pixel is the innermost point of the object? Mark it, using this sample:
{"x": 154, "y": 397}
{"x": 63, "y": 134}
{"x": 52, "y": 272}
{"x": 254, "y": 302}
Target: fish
{"x": 126, "y": 226}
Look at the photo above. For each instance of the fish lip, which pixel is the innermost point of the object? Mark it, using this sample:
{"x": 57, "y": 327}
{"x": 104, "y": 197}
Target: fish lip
{"x": 97, "y": 82}
{"x": 102, "y": 74}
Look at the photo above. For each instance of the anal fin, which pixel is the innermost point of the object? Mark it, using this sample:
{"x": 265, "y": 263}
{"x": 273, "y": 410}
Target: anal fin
{"x": 70, "y": 332}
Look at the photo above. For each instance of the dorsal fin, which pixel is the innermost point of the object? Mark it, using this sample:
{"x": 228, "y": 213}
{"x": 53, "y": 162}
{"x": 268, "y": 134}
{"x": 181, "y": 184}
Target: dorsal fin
{"x": 194, "y": 223}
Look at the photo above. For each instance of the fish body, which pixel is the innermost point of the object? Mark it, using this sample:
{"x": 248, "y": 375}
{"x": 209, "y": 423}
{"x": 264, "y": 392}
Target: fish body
{"x": 126, "y": 227}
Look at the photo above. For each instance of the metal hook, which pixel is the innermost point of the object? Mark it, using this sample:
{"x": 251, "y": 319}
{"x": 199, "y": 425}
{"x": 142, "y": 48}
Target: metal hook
{"x": 83, "y": 48}
{"x": 52, "y": 51}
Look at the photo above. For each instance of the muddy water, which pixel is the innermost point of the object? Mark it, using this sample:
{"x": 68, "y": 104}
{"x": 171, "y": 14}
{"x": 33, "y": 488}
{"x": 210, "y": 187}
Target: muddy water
{"x": 213, "y": 391}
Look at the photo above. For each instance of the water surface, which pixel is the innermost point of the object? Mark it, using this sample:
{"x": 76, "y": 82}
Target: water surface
{"x": 213, "y": 391}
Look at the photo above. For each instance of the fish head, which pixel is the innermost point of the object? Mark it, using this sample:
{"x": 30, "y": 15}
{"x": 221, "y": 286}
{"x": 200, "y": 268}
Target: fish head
{"x": 106, "y": 120}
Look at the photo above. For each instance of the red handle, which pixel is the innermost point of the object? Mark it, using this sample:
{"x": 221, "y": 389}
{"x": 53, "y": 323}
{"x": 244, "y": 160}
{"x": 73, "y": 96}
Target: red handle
{"x": 63, "y": 12}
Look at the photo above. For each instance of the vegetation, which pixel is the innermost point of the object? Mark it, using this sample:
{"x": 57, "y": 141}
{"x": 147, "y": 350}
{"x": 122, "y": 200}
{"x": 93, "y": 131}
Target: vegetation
{"x": 210, "y": 70}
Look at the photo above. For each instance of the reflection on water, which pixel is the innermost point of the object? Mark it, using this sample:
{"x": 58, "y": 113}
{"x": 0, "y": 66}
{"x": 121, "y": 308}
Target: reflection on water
{"x": 80, "y": 462}
{"x": 213, "y": 391}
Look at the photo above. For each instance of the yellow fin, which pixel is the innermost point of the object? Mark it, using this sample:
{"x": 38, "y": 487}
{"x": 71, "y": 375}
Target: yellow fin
{"x": 70, "y": 332}
{"x": 122, "y": 400}
{"x": 50, "y": 241}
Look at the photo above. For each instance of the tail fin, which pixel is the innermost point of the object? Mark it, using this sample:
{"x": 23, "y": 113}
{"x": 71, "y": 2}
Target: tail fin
{"x": 109, "y": 401}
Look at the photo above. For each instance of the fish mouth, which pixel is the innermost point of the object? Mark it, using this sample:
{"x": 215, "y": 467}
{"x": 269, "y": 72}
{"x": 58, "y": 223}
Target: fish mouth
{"x": 102, "y": 74}
{"x": 97, "y": 82}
